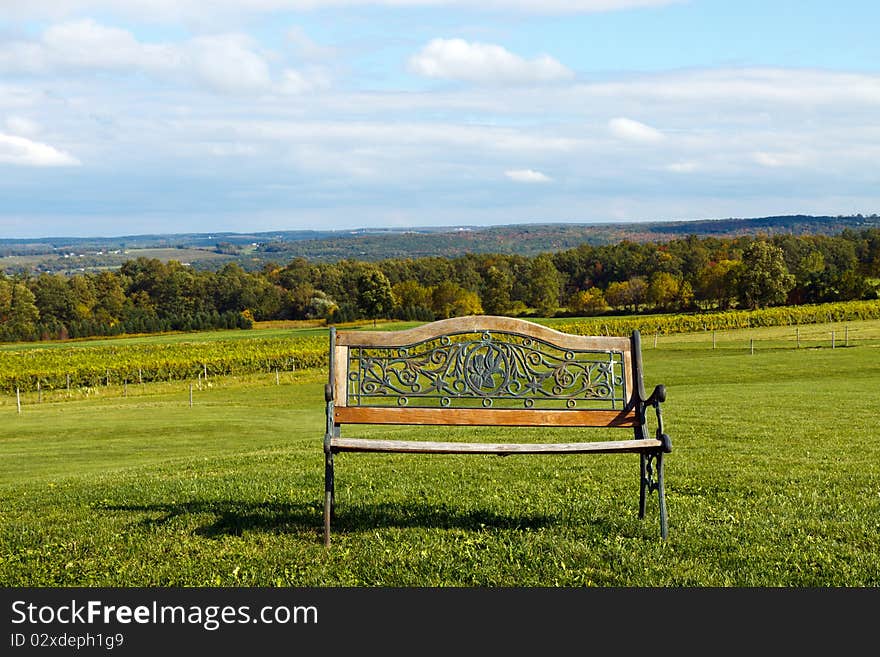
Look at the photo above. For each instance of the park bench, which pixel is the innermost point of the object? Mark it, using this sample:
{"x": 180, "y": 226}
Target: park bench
{"x": 498, "y": 372}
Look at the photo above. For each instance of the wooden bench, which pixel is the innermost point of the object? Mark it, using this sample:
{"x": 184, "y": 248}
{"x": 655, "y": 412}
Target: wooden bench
{"x": 492, "y": 371}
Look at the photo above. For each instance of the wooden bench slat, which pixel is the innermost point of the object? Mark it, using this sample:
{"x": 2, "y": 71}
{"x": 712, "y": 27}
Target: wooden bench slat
{"x": 428, "y": 447}
{"x": 508, "y": 417}
{"x": 478, "y": 324}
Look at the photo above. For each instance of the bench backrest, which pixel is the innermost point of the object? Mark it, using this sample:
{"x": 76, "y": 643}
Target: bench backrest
{"x": 484, "y": 370}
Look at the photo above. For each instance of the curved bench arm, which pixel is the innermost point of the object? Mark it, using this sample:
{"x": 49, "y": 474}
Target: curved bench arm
{"x": 657, "y": 397}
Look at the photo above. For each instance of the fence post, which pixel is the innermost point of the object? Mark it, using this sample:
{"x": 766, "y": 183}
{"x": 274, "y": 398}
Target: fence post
{"x": 18, "y": 399}
{"x": 846, "y": 335}
{"x": 655, "y": 339}
{"x": 752, "y": 345}
{"x": 39, "y": 393}
{"x": 68, "y": 385}
{"x": 277, "y": 381}
{"x": 713, "y": 339}
{"x": 832, "y": 339}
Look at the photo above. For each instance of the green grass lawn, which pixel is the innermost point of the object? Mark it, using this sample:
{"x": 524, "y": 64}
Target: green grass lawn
{"x": 773, "y": 481}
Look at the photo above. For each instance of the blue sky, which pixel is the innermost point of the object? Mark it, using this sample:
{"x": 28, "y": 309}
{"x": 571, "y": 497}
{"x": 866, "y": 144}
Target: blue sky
{"x": 163, "y": 116}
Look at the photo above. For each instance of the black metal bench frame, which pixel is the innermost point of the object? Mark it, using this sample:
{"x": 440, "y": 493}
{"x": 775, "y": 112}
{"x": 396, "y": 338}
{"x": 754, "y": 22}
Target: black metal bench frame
{"x": 492, "y": 371}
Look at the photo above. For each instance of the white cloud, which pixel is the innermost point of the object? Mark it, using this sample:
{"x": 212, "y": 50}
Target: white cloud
{"x": 682, "y": 167}
{"x": 777, "y": 160}
{"x": 457, "y": 59}
{"x": 233, "y": 149}
{"x": 24, "y": 152}
{"x": 527, "y": 176}
{"x": 85, "y": 45}
{"x": 745, "y": 86}
{"x": 227, "y": 63}
{"x": 630, "y": 130}
{"x": 386, "y": 135}
{"x": 305, "y": 47}
{"x": 21, "y": 126}
{"x": 298, "y": 82}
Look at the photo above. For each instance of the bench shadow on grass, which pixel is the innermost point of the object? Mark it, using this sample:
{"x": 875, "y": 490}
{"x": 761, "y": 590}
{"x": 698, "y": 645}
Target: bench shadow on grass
{"x": 233, "y": 518}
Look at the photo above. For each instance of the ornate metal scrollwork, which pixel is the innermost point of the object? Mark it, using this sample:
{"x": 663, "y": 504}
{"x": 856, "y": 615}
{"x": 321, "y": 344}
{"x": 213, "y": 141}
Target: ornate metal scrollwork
{"x": 487, "y": 369}
{"x": 650, "y": 482}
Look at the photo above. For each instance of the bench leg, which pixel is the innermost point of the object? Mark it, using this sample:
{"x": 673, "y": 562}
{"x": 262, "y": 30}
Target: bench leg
{"x": 661, "y": 494}
{"x": 650, "y": 463}
{"x": 643, "y": 485}
{"x": 329, "y": 501}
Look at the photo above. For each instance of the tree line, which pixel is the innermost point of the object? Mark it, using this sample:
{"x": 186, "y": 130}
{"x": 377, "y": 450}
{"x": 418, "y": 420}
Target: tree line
{"x": 688, "y": 274}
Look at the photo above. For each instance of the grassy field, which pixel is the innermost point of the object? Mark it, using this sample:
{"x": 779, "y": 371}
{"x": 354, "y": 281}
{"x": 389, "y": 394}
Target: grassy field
{"x": 773, "y": 481}
{"x": 78, "y": 260}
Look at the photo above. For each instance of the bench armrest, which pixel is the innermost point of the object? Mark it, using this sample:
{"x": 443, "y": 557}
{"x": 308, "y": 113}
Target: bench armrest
{"x": 657, "y": 397}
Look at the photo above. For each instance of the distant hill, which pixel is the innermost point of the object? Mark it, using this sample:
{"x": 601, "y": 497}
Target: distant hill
{"x": 797, "y": 224}
{"x": 531, "y": 239}
{"x": 253, "y": 250}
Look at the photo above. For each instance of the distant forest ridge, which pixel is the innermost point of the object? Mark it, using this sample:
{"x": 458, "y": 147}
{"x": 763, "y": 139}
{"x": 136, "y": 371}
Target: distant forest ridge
{"x": 689, "y": 273}
{"x": 533, "y": 239}
{"x": 252, "y": 250}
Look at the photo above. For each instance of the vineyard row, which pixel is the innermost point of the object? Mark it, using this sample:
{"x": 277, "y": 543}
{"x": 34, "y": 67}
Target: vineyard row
{"x": 84, "y": 366}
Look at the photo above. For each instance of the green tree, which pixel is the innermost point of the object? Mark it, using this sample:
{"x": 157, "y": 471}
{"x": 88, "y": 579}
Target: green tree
{"x": 869, "y": 253}
{"x": 763, "y": 278}
{"x": 588, "y": 302}
{"x": 578, "y": 267}
{"x": 638, "y": 292}
{"x": 83, "y": 294}
{"x": 716, "y": 283}
{"x": 630, "y": 294}
{"x": 234, "y": 290}
{"x": 109, "y": 298}
{"x": 321, "y": 306}
{"x": 807, "y": 277}
{"x": 663, "y": 290}
{"x": 685, "y": 297}
{"x": 496, "y": 289}
{"x": 693, "y": 255}
{"x": 411, "y": 300}
{"x": 54, "y": 298}
{"x": 298, "y": 301}
{"x": 21, "y": 323}
{"x": 544, "y": 285}
{"x": 5, "y": 297}
{"x": 449, "y": 299}
{"x": 617, "y": 294}
{"x": 297, "y": 272}
{"x": 374, "y": 296}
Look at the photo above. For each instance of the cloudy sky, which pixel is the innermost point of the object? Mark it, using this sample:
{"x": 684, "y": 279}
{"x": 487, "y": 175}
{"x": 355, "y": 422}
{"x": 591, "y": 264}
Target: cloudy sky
{"x": 163, "y": 116}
